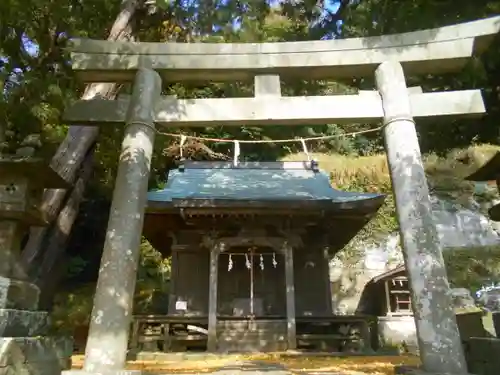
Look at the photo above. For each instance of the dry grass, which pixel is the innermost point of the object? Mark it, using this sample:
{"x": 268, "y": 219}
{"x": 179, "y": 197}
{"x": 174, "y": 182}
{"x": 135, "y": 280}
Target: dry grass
{"x": 444, "y": 173}
{"x": 445, "y": 176}
{"x": 373, "y": 365}
{"x": 344, "y": 169}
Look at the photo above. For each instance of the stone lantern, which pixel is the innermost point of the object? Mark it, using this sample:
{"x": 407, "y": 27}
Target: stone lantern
{"x": 23, "y": 344}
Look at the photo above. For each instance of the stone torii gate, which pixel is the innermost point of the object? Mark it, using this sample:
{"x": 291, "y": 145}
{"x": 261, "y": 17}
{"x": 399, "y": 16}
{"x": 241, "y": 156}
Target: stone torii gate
{"x": 389, "y": 58}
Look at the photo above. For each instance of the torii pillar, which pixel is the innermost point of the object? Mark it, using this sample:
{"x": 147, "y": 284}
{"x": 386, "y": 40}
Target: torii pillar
{"x": 438, "y": 337}
{"x": 107, "y": 342}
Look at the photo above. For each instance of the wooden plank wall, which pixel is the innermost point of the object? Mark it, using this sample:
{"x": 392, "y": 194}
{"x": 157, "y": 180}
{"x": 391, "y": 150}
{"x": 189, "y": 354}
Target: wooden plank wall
{"x": 312, "y": 282}
{"x": 190, "y": 280}
{"x": 190, "y": 272}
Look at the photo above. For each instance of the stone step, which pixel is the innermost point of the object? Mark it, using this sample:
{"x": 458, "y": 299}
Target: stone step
{"x": 35, "y": 355}
{"x": 249, "y": 324}
{"x": 253, "y": 341}
{"x": 258, "y": 331}
{"x": 272, "y": 336}
{"x": 243, "y": 335}
{"x": 258, "y": 345}
{"x": 23, "y": 323}
{"x": 18, "y": 294}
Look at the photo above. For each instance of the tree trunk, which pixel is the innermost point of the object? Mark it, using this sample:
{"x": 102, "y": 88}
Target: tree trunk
{"x": 52, "y": 263}
{"x": 68, "y": 161}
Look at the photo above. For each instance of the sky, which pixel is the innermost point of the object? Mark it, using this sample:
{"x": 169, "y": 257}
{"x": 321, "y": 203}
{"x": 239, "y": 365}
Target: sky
{"x": 331, "y": 5}
{"x": 30, "y": 47}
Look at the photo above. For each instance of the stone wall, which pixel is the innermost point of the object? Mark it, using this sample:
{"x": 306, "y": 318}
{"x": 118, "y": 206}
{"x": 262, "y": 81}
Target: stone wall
{"x": 349, "y": 273}
{"x": 458, "y": 226}
{"x": 481, "y": 349}
{"x": 348, "y": 277}
{"x": 397, "y": 331}
{"x": 482, "y": 356}
{"x": 34, "y": 355}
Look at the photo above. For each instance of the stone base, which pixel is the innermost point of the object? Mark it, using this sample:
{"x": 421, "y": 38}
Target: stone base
{"x": 496, "y": 322}
{"x": 242, "y": 336}
{"x": 34, "y": 355}
{"x": 397, "y": 331}
{"x": 482, "y": 355}
{"x": 18, "y": 294}
{"x": 22, "y": 323}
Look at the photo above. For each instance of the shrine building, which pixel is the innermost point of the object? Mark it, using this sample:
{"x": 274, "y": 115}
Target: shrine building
{"x": 250, "y": 246}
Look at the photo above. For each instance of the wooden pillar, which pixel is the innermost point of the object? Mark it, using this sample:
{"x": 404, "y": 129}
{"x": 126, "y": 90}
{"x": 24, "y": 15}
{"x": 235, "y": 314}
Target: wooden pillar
{"x": 328, "y": 286}
{"x": 290, "y": 297}
{"x": 212, "y": 297}
{"x": 439, "y": 341}
{"x": 113, "y": 302}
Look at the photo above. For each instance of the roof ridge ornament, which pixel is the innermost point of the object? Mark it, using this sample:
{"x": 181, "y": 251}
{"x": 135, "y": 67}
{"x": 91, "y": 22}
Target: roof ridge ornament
{"x": 313, "y": 164}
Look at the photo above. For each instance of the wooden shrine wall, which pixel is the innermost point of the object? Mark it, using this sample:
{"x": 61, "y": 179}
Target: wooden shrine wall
{"x": 190, "y": 281}
{"x": 312, "y": 282}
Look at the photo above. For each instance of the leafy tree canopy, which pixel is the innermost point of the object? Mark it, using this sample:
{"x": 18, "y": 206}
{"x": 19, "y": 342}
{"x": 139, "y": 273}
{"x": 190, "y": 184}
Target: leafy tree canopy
{"x": 36, "y": 82}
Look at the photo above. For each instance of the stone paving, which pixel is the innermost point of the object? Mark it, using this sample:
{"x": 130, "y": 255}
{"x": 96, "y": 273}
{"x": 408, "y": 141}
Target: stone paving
{"x": 296, "y": 363}
{"x": 263, "y": 368}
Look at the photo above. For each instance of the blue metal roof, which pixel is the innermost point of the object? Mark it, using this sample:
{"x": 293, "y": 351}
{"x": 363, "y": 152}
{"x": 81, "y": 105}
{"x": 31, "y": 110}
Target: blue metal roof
{"x": 283, "y": 182}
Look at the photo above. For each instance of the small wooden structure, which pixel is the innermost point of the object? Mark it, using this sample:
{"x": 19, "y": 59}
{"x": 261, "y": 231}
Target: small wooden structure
{"x": 490, "y": 171}
{"x": 388, "y": 294}
{"x": 250, "y": 245}
{"x": 387, "y": 298}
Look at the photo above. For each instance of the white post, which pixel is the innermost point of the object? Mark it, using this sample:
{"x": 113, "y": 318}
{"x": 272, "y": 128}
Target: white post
{"x": 113, "y": 302}
{"x": 439, "y": 341}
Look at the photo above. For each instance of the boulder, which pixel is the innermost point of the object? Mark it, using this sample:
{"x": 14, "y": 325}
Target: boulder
{"x": 490, "y": 299}
{"x": 462, "y": 298}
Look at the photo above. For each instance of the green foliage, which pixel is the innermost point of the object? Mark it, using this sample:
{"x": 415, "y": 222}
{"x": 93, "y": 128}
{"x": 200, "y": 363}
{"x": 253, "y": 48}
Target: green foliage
{"x": 472, "y": 268}
{"x": 153, "y": 277}
{"x": 37, "y": 85}
{"x": 43, "y": 82}
{"x": 76, "y": 265}
{"x": 72, "y": 308}
{"x": 445, "y": 176}
{"x": 34, "y": 72}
